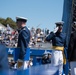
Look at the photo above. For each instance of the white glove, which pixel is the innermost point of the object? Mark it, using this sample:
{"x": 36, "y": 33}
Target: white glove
{"x": 25, "y": 65}
{"x": 55, "y": 30}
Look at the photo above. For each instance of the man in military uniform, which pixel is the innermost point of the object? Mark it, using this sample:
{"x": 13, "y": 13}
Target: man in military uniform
{"x": 46, "y": 58}
{"x": 58, "y": 41}
{"x": 72, "y": 51}
{"x": 24, "y": 36}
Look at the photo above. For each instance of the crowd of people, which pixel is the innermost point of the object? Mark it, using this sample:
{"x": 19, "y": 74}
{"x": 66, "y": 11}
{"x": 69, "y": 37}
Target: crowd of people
{"x": 10, "y": 38}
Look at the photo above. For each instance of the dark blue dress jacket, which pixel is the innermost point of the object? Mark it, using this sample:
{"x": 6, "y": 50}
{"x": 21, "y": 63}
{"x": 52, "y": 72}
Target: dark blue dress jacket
{"x": 23, "y": 41}
{"x": 58, "y": 38}
{"x": 3, "y": 58}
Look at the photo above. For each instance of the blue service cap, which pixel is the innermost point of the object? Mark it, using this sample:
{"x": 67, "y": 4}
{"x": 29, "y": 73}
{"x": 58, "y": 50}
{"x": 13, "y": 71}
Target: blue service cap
{"x": 18, "y": 18}
{"x": 59, "y": 23}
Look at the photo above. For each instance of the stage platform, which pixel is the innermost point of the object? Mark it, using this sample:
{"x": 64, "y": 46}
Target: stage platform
{"x": 35, "y": 70}
{"x": 43, "y": 70}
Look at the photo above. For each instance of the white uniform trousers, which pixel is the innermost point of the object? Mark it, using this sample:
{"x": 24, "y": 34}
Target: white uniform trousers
{"x": 57, "y": 60}
{"x": 73, "y": 67}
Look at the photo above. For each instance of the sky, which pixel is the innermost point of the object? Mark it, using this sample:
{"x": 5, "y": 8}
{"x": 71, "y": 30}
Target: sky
{"x": 40, "y": 13}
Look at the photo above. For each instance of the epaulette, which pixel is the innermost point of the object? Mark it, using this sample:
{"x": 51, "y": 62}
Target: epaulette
{"x": 24, "y": 29}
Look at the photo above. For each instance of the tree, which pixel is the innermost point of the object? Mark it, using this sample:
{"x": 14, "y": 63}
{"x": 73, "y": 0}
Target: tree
{"x": 2, "y": 21}
{"x": 9, "y": 21}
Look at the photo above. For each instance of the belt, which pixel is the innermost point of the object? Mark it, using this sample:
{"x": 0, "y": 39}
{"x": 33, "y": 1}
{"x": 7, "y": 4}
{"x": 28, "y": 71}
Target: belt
{"x": 58, "y": 48}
